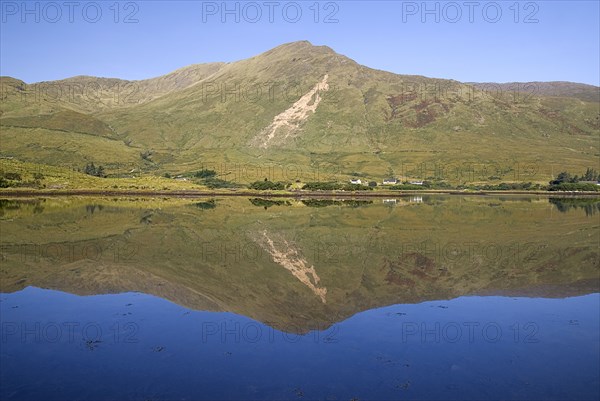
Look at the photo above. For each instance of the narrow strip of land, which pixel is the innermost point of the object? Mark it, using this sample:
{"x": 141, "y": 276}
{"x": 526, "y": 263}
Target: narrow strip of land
{"x": 278, "y": 194}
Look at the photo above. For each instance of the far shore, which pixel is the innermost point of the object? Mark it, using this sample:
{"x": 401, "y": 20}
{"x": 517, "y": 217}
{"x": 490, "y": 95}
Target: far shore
{"x": 15, "y": 193}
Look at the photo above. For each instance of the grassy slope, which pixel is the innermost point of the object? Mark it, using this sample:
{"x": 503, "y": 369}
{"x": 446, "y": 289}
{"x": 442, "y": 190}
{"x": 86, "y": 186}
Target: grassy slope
{"x": 68, "y": 178}
{"x": 369, "y": 121}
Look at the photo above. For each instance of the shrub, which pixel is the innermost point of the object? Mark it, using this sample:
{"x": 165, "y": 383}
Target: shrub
{"x": 12, "y": 176}
{"x": 90, "y": 169}
{"x": 205, "y": 173}
{"x": 322, "y": 186}
{"x": 569, "y": 186}
{"x": 214, "y": 183}
{"x": 356, "y": 187}
{"x": 267, "y": 185}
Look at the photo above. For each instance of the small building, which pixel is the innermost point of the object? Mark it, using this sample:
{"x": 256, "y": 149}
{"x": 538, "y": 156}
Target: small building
{"x": 390, "y": 181}
{"x": 416, "y": 183}
{"x": 390, "y": 201}
{"x": 355, "y": 181}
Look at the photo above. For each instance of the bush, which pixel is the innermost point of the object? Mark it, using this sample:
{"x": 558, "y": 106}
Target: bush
{"x": 568, "y": 186}
{"x": 215, "y": 183}
{"x": 322, "y": 186}
{"x": 356, "y": 187}
{"x": 564, "y": 177}
{"x": 4, "y": 183}
{"x": 146, "y": 155}
{"x": 12, "y": 176}
{"x": 267, "y": 185}
{"x": 205, "y": 173}
{"x": 90, "y": 169}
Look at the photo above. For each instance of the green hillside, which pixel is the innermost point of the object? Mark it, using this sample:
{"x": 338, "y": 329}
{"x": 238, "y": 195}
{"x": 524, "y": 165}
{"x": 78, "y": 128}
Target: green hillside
{"x": 298, "y": 109}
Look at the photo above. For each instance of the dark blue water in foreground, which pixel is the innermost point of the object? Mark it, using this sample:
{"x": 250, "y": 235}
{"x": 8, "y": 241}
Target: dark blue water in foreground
{"x": 134, "y": 346}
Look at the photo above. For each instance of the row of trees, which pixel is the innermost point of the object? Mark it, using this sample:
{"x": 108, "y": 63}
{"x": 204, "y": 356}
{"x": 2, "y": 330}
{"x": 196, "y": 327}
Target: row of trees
{"x": 564, "y": 181}
{"x": 565, "y": 177}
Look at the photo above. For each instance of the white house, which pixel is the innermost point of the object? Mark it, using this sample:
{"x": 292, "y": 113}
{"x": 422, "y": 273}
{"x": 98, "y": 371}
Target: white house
{"x": 416, "y": 182}
{"x": 390, "y": 181}
{"x": 355, "y": 181}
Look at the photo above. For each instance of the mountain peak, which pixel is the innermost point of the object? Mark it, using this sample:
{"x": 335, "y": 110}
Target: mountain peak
{"x": 298, "y": 43}
{"x": 300, "y": 46}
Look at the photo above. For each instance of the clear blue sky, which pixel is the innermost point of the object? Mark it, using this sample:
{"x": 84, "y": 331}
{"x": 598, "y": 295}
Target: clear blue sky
{"x": 540, "y": 40}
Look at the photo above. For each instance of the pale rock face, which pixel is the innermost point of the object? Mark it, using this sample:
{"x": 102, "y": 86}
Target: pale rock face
{"x": 288, "y": 123}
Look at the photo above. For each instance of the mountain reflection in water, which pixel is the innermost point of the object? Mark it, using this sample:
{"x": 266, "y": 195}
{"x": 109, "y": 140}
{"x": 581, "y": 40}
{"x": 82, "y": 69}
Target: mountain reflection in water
{"x": 306, "y": 298}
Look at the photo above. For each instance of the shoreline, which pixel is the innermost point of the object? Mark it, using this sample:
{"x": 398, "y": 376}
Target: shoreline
{"x": 11, "y": 193}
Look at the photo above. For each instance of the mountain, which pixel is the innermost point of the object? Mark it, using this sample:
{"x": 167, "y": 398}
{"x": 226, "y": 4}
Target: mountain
{"x": 300, "y": 107}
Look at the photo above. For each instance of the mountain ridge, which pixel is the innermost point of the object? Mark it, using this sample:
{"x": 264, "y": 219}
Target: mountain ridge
{"x": 305, "y": 44}
{"x": 366, "y": 121}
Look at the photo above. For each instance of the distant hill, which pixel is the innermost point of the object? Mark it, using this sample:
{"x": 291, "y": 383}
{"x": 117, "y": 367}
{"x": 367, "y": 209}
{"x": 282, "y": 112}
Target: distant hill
{"x": 587, "y": 93}
{"x": 300, "y": 106}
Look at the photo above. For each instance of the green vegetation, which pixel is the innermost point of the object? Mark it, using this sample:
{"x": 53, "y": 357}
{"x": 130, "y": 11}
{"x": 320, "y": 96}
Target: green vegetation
{"x": 369, "y": 123}
{"x": 14, "y": 180}
{"x": 335, "y": 186}
{"x": 38, "y": 176}
{"x": 504, "y": 186}
{"x": 267, "y": 185}
{"x": 322, "y": 186}
{"x": 578, "y": 186}
{"x": 90, "y": 169}
{"x": 565, "y": 177}
{"x": 217, "y": 183}
{"x": 205, "y": 173}
{"x": 564, "y": 181}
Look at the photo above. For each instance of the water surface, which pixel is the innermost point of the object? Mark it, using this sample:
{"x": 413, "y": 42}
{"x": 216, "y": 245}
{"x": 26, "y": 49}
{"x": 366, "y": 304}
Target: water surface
{"x": 421, "y": 297}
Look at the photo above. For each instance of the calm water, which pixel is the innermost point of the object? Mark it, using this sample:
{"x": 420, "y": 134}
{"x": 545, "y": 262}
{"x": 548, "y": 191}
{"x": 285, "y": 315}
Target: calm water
{"x": 422, "y": 297}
